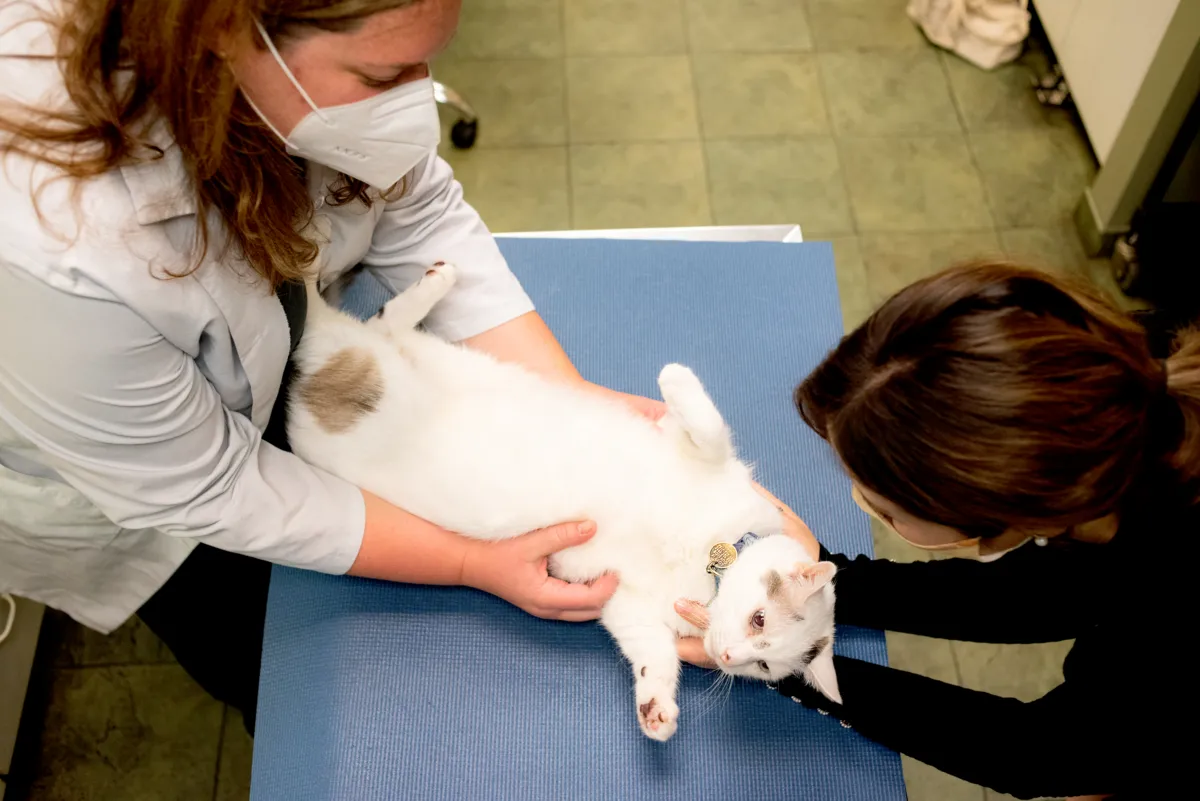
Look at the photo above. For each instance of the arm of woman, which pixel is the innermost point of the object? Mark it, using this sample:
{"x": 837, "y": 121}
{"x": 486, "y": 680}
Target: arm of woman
{"x": 399, "y": 546}
{"x": 1069, "y": 742}
{"x": 487, "y": 310}
{"x": 1030, "y": 595}
{"x": 127, "y": 418}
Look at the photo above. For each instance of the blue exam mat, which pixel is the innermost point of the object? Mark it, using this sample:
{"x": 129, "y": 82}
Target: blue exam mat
{"x": 379, "y": 691}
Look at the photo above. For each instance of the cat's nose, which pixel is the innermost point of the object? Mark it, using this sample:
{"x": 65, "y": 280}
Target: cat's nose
{"x": 725, "y": 657}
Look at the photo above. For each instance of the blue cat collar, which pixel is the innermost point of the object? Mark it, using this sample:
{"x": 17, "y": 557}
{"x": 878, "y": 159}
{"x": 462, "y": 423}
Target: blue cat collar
{"x": 719, "y": 560}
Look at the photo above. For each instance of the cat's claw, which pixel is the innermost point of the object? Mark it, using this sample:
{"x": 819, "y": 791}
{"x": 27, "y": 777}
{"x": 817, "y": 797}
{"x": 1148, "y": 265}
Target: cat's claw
{"x": 658, "y": 718}
{"x": 442, "y": 272}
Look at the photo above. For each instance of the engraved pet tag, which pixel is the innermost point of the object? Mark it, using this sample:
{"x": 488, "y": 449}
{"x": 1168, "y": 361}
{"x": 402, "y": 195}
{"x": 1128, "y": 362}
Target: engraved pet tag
{"x": 721, "y": 556}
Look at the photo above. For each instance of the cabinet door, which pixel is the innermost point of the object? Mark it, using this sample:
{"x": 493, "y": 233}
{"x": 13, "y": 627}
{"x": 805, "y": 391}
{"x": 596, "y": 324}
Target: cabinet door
{"x": 1105, "y": 56}
{"x": 1056, "y": 16}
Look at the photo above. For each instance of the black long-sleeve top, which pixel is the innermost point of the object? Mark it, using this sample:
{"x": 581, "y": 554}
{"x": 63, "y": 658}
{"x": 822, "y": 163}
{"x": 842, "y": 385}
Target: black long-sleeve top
{"x": 1123, "y": 720}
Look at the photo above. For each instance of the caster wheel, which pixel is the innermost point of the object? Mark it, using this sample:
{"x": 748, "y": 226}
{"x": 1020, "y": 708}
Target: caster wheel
{"x": 463, "y": 134}
{"x": 1126, "y": 270}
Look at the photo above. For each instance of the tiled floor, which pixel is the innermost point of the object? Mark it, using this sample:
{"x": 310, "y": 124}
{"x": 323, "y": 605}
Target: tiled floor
{"x": 834, "y": 114}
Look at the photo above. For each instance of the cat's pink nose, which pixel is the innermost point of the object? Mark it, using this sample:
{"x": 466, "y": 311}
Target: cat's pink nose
{"x": 725, "y": 657}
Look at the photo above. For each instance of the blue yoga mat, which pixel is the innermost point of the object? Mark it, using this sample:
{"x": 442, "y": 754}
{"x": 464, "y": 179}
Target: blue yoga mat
{"x": 379, "y": 691}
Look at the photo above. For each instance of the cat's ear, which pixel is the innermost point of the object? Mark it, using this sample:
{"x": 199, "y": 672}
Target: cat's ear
{"x": 820, "y": 674}
{"x": 692, "y": 418}
{"x": 806, "y": 578}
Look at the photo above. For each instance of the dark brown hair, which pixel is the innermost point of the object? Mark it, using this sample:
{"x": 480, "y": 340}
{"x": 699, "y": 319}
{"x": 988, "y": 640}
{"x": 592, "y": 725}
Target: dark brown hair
{"x": 993, "y": 396}
{"x": 130, "y": 63}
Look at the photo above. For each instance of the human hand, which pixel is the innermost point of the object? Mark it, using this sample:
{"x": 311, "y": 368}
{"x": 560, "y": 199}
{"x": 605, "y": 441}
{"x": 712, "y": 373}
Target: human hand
{"x": 691, "y": 649}
{"x": 793, "y": 526}
{"x": 517, "y": 570}
{"x": 649, "y": 408}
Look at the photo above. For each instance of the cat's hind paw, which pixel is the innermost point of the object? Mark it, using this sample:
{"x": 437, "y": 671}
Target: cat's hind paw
{"x": 443, "y": 274}
{"x": 658, "y": 718}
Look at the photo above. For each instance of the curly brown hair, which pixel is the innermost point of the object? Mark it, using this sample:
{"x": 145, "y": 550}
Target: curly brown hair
{"x": 128, "y": 64}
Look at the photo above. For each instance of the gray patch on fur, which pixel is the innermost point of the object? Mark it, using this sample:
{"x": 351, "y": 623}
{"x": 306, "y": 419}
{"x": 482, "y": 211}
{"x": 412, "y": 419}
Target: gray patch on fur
{"x": 347, "y": 388}
{"x": 774, "y": 583}
{"x": 819, "y": 646}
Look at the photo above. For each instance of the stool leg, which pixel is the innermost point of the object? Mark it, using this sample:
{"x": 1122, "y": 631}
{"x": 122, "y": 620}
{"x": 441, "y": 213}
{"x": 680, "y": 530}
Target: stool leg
{"x": 448, "y": 97}
{"x": 467, "y": 127}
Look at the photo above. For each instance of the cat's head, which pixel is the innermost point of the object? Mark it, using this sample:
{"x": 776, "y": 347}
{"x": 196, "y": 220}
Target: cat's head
{"x": 773, "y": 616}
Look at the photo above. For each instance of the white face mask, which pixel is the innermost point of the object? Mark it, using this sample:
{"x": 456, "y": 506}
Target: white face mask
{"x": 972, "y": 548}
{"x": 377, "y": 140}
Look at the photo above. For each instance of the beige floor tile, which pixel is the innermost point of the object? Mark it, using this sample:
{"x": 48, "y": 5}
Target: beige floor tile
{"x": 1059, "y": 250}
{"x": 747, "y": 26}
{"x": 929, "y": 784}
{"x": 922, "y": 655}
{"x": 641, "y": 184}
{"x": 78, "y": 646}
{"x": 1055, "y": 249}
{"x": 914, "y": 184}
{"x": 519, "y": 102}
{"x": 843, "y": 24}
{"x": 756, "y": 95}
{"x": 992, "y": 795}
{"x": 522, "y": 189}
{"x": 233, "y": 771}
{"x": 128, "y": 733}
{"x": 893, "y": 261}
{"x": 634, "y": 98}
{"x": 624, "y": 27}
{"x": 760, "y": 181}
{"x": 508, "y": 29}
{"x": 1033, "y": 177}
{"x": 1003, "y": 97}
{"x": 1025, "y": 672}
{"x": 852, "y": 280}
{"x": 888, "y": 93}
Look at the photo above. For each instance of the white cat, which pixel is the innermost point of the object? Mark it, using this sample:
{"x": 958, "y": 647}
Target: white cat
{"x": 491, "y": 450}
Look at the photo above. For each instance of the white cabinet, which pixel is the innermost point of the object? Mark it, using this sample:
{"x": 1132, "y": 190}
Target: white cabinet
{"x": 1056, "y": 17}
{"x": 1105, "y": 48}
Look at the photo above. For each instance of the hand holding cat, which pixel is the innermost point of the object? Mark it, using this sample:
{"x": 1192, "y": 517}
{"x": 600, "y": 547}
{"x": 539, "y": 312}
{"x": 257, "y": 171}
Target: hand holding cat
{"x": 691, "y": 649}
{"x": 516, "y": 570}
{"x": 646, "y": 407}
{"x": 793, "y": 526}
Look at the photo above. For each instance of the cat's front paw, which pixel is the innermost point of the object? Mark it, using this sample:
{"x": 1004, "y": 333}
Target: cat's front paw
{"x": 658, "y": 717}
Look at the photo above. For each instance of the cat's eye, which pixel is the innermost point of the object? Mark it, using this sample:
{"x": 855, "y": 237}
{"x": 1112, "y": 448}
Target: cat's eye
{"x": 763, "y": 667}
{"x": 758, "y": 620}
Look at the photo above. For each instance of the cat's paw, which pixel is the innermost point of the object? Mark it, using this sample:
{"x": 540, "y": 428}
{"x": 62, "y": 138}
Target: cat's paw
{"x": 443, "y": 274}
{"x": 658, "y": 717}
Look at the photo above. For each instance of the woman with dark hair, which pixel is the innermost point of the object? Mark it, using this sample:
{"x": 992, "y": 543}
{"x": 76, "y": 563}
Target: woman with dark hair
{"x": 995, "y": 411}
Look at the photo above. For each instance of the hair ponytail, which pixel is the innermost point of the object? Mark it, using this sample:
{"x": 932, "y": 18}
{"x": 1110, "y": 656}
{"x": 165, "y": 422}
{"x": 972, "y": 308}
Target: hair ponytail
{"x": 1183, "y": 387}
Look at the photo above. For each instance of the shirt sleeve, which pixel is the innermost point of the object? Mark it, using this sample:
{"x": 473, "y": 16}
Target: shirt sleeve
{"x": 128, "y": 419}
{"x": 1068, "y": 742}
{"x": 961, "y": 599}
{"x": 429, "y": 223}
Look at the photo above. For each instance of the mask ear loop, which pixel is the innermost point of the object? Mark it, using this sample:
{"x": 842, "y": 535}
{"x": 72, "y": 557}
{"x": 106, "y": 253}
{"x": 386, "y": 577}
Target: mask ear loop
{"x": 279, "y": 59}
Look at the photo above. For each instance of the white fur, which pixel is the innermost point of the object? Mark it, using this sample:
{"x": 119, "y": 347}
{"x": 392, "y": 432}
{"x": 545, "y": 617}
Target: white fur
{"x": 491, "y": 450}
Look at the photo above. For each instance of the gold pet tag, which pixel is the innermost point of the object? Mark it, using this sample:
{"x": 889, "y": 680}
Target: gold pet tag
{"x": 721, "y": 556}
